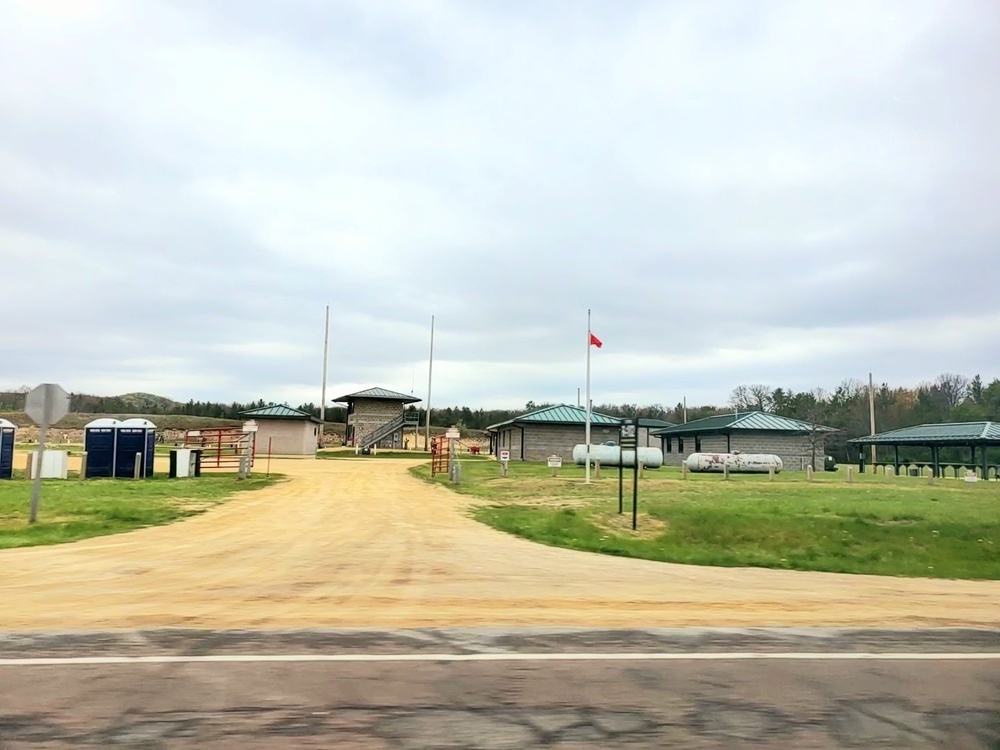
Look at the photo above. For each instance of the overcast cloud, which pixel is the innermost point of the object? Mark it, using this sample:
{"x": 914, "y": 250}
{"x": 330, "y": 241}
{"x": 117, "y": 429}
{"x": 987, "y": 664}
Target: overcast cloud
{"x": 779, "y": 192}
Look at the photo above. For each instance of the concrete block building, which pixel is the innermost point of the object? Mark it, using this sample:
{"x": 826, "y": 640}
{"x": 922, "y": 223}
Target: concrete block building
{"x": 553, "y": 430}
{"x": 288, "y": 431}
{"x": 796, "y": 442}
{"x": 377, "y": 417}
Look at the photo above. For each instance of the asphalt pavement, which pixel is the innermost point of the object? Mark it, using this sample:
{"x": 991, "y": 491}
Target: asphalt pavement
{"x": 501, "y": 688}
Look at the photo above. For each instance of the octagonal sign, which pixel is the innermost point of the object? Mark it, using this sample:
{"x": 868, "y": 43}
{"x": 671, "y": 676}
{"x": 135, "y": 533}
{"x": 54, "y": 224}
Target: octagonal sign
{"x": 46, "y": 404}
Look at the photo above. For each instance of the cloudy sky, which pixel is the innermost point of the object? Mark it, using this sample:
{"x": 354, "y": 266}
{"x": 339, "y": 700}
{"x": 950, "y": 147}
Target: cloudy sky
{"x": 779, "y": 192}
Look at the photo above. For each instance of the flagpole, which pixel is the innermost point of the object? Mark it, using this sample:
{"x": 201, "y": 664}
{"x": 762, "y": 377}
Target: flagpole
{"x": 587, "y": 431}
{"x": 322, "y": 397}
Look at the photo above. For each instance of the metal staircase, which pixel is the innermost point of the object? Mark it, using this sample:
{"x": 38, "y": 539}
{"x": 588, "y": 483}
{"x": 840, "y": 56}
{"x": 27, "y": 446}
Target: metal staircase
{"x": 383, "y": 432}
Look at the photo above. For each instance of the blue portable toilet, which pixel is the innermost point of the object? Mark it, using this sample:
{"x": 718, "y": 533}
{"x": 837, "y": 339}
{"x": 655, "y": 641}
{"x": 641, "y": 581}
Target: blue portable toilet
{"x": 7, "y": 430}
{"x": 135, "y": 436}
{"x": 99, "y": 440}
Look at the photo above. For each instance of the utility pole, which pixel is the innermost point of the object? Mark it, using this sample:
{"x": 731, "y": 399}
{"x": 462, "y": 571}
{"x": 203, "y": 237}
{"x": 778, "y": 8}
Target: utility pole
{"x": 871, "y": 412}
{"x": 430, "y": 377}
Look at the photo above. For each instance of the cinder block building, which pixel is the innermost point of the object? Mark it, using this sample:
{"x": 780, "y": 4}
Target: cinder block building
{"x": 377, "y": 417}
{"x": 794, "y": 441}
{"x": 553, "y": 430}
{"x": 288, "y": 431}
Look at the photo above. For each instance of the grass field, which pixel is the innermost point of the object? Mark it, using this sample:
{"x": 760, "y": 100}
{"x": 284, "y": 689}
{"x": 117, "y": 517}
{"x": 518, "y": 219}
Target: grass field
{"x": 72, "y": 510}
{"x": 905, "y": 527}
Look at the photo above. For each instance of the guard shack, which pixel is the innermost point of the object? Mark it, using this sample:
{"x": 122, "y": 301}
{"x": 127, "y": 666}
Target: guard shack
{"x": 136, "y": 441}
{"x": 7, "y": 433}
{"x": 100, "y": 439}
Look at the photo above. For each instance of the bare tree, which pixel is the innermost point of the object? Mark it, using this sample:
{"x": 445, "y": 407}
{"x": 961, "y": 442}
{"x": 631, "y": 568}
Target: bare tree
{"x": 955, "y": 388}
{"x": 760, "y": 394}
{"x": 741, "y": 399}
{"x": 814, "y": 416}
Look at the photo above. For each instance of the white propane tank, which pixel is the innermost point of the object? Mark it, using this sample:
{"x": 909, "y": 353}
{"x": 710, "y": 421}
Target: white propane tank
{"x": 738, "y": 463}
{"x": 610, "y": 455}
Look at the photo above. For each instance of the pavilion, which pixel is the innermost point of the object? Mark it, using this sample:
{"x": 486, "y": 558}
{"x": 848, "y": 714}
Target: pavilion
{"x": 977, "y": 437}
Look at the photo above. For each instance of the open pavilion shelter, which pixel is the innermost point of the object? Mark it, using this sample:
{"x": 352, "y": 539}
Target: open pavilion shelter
{"x": 981, "y": 439}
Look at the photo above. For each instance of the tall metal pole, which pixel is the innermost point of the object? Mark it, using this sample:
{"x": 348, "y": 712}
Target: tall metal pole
{"x": 685, "y": 410}
{"x": 577, "y": 398}
{"x": 430, "y": 377}
{"x": 322, "y": 398}
{"x": 871, "y": 412}
{"x": 587, "y": 430}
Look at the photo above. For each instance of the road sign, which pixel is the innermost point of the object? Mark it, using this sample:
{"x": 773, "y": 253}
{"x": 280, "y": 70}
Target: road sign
{"x": 46, "y": 404}
{"x": 453, "y": 434}
{"x": 555, "y": 462}
{"x": 505, "y": 456}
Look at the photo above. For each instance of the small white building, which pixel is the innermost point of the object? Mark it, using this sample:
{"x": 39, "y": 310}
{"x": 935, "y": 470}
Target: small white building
{"x": 284, "y": 430}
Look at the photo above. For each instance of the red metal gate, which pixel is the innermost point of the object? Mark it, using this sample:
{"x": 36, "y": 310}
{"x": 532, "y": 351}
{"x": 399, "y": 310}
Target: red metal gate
{"x": 221, "y": 447}
{"x": 439, "y": 455}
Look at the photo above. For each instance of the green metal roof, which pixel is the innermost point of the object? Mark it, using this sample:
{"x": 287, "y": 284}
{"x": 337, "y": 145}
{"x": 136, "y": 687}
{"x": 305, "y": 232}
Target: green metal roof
{"x": 654, "y": 423}
{"x": 750, "y": 420}
{"x": 278, "y": 411}
{"x": 949, "y": 432}
{"x": 380, "y": 393}
{"x": 560, "y": 415}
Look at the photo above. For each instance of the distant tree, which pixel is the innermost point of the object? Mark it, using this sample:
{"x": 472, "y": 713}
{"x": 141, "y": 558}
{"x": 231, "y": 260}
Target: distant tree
{"x": 741, "y": 399}
{"x": 954, "y": 388}
{"x": 976, "y": 389}
{"x": 760, "y": 396}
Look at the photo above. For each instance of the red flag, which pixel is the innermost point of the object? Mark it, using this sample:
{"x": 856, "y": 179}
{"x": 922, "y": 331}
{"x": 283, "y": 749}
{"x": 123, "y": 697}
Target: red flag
{"x": 594, "y": 341}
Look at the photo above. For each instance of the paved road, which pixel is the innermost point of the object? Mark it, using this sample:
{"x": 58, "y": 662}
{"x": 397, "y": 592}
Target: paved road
{"x": 351, "y": 543}
{"x": 494, "y": 689}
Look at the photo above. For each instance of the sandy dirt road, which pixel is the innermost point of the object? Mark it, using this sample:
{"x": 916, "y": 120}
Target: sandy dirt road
{"x": 361, "y": 543}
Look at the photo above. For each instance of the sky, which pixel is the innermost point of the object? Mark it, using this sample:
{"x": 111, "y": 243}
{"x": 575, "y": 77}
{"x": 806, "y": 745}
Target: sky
{"x": 791, "y": 193}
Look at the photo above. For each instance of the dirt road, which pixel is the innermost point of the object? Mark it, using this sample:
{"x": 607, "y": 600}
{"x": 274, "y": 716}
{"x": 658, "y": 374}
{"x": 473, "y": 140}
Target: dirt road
{"x": 353, "y": 543}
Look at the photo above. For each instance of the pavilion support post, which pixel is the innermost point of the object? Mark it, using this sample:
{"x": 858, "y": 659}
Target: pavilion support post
{"x": 935, "y": 459}
{"x": 896, "y": 462}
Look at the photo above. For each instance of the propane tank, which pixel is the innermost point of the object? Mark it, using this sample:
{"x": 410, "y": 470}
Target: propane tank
{"x": 738, "y": 463}
{"x": 611, "y": 455}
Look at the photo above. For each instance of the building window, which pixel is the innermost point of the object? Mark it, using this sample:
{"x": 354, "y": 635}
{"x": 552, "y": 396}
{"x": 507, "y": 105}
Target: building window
{"x": 697, "y": 445}
{"x": 669, "y": 442}
{"x": 680, "y": 445}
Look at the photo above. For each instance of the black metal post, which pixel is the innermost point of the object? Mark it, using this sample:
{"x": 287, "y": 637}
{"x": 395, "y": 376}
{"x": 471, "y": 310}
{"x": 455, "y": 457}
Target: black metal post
{"x": 635, "y": 479}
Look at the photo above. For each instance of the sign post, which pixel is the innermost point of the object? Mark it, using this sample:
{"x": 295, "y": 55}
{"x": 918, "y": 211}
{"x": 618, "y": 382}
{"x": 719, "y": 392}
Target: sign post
{"x": 555, "y": 463}
{"x": 504, "y": 460}
{"x": 628, "y": 437}
{"x": 45, "y": 405}
{"x": 452, "y": 434}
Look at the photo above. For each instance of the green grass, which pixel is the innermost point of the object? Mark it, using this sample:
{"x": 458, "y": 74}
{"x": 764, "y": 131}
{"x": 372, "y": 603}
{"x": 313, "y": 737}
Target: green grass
{"x": 71, "y": 509}
{"x": 905, "y": 527}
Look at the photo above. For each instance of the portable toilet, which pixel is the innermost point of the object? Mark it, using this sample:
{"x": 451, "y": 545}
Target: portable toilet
{"x": 135, "y": 436}
{"x": 99, "y": 440}
{"x": 7, "y": 430}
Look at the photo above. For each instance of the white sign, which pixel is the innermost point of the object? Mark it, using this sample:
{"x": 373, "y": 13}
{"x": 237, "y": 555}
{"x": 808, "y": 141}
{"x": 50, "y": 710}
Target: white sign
{"x": 250, "y": 426}
{"x": 504, "y": 456}
{"x": 46, "y": 404}
{"x": 453, "y": 434}
{"x": 555, "y": 462}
